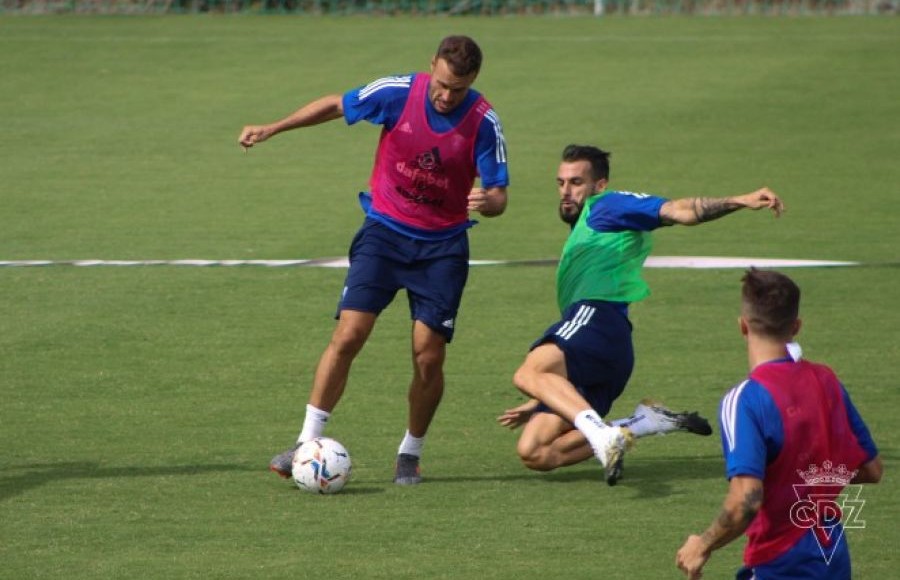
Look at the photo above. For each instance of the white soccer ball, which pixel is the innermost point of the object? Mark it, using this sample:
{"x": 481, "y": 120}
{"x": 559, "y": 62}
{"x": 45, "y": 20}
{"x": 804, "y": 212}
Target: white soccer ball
{"x": 321, "y": 465}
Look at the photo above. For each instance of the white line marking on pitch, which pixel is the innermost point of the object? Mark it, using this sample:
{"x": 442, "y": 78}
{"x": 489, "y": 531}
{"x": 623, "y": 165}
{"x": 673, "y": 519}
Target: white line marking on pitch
{"x": 699, "y": 262}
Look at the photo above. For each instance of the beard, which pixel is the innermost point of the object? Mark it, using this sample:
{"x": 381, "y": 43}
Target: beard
{"x": 570, "y": 213}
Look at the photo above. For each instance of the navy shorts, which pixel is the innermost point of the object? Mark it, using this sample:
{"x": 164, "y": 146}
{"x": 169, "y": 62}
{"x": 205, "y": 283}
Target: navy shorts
{"x": 806, "y": 559}
{"x": 434, "y": 274}
{"x": 595, "y": 337}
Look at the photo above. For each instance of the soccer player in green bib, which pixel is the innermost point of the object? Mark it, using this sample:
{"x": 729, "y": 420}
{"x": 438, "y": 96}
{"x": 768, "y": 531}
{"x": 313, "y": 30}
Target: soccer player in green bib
{"x": 581, "y": 364}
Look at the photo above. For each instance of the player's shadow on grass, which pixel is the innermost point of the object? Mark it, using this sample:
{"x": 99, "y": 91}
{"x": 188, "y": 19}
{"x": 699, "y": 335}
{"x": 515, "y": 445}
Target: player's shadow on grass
{"x": 362, "y": 489}
{"x": 39, "y": 474}
{"x": 653, "y": 476}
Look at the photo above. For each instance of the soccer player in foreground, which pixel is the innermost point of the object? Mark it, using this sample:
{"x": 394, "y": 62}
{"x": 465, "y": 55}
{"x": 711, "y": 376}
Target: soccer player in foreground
{"x": 792, "y": 441}
{"x": 438, "y": 135}
{"x": 580, "y": 365}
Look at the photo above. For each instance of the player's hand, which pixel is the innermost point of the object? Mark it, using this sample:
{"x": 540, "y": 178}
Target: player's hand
{"x": 516, "y": 416}
{"x": 253, "y": 134}
{"x": 761, "y": 199}
{"x": 488, "y": 202}
{"x": 691, "y": 557}
{"x": 478, "y": 199}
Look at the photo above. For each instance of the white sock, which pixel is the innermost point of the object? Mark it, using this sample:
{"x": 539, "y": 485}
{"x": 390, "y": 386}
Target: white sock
{"x": 592, "y": 427}
{"x": 313, "y": 423}
{"x": 411, "y": 445}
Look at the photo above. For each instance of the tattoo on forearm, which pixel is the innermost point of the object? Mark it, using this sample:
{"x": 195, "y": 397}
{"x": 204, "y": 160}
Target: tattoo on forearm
{"x": 750, "y": 505}
{"x": 710, "y": 208}
{"x": 729, "y": 524}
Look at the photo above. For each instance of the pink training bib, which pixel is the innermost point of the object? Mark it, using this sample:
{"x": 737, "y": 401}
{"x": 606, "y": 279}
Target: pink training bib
{"x": 422, "y": 178}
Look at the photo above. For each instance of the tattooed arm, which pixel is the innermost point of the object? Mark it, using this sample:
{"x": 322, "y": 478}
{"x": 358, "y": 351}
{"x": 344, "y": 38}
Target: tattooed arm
{"x": 745, "y": 496}
{"x": 691, "y": 211}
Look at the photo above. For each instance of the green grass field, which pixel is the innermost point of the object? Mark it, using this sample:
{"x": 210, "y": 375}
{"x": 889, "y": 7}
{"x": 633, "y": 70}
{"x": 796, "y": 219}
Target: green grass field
{"x": 141, "y": 405}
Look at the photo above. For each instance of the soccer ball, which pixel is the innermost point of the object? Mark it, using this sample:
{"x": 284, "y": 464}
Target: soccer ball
{"x": 321, "y": 465}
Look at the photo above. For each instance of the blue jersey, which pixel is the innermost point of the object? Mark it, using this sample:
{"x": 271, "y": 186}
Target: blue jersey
{"x": 381, "y": 102}
{"x": 619, "y": 211}
{"x": 753, "y": 434}
{"x": 613, "y": 214}
{"x": 758, "y": 443}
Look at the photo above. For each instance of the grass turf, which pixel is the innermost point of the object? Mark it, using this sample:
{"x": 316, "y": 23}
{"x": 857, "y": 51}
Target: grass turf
{"x": 140, "y": 405}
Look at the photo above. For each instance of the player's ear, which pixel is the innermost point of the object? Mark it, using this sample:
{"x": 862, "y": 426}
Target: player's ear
{"x": 433, "y": 63}
{"x": 600, "y": 184}
{"x": 795, "y": 328}
{"x": 742, "y": 324}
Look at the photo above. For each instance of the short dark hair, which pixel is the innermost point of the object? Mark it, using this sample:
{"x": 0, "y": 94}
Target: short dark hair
{"x": 770, "y": 302}
{"x": 598, "y": 158}
{"x": 461, "y": 53}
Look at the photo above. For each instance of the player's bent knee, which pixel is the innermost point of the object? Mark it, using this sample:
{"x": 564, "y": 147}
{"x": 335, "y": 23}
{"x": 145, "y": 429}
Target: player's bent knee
{"x": 522, "y": 379}
{"x": 537, "y": 465}
{"x": 534, "y": 457}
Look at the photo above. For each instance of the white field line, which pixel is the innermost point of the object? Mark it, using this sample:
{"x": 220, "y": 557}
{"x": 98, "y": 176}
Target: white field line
{"x": 720, "y": 262}
{"x": 697, "y": 262}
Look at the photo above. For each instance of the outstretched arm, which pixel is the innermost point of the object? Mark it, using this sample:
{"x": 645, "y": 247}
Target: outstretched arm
{"x": 745, "y": 497}
{"x": 321, "y": 110}
{"x": 689, "y": 211}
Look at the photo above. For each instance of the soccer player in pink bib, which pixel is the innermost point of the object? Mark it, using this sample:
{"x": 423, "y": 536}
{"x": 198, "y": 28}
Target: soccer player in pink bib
{"x": 793, "y": 441}
{"x": 438, "y": 136}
